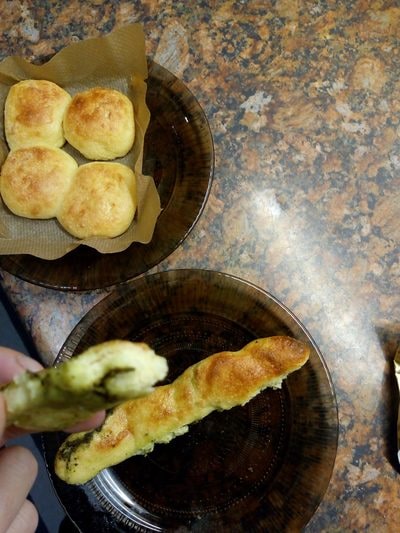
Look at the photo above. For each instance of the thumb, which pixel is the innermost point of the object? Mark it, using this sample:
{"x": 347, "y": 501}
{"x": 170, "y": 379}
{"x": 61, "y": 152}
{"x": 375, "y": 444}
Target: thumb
{"x": 13, "y": 363}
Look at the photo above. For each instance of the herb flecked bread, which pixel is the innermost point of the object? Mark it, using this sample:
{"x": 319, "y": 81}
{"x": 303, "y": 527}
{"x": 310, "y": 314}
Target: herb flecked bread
{"x": 99, "y": 378}
{"x": 218, "y": 382}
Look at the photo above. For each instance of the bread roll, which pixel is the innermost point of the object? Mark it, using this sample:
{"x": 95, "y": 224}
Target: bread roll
{"x": 99, "y": 123}
{"x": 33, "y": 114}
{"x": 101, "y": 201}
{"x": 35, "y": 180}
{"x": 218, "y": 382}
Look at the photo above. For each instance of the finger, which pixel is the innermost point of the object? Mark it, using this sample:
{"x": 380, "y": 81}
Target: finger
{"x": 26, "y": 520}
{"x": 93, "y": 422}
{"x": 18, "y": 470}
{"x": 13, "y": 432}
{"x": 13, "y": 363}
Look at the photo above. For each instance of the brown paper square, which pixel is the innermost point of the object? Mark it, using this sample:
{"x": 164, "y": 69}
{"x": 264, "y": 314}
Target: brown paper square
{"x": 118, "y": 61}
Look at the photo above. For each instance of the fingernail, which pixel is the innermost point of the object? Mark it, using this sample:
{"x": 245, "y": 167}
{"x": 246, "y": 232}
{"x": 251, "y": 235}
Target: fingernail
{"x": 27, "y": 363}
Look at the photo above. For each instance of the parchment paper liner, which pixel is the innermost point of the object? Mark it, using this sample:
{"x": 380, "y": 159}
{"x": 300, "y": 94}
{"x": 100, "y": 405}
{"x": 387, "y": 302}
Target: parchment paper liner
{"x": 117, "y": 60}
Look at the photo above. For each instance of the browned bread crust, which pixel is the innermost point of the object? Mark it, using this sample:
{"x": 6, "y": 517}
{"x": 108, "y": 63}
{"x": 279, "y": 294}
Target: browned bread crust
{"x": 40, "y": 181}
{"x": 34, "y": 180}
{"x": 33, "y": 114}
{"x": 99, "y": 123}
{"x": 218, "y": 382}
{"x": 101, "y": 201}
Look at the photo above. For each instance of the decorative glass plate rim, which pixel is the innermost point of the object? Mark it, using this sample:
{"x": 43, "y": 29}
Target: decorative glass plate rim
{"x": 80, "y": 329}
{"x": 13, "y": 268}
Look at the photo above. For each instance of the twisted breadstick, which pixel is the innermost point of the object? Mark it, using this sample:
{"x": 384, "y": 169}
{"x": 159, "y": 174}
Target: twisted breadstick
{"x": 218, "y": 382}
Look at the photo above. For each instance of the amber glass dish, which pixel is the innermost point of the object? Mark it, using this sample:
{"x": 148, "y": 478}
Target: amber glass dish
{"x": 179, "y": 154}
{"x": 263, "y": 467}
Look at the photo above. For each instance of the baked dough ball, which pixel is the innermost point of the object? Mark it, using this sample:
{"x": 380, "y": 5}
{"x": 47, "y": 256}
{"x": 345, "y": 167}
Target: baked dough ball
{"x": 101, "y": 201}
{"x": 34, "y": 180}
{"x": 99, "y": 123}
{"x": 33, "y": 114}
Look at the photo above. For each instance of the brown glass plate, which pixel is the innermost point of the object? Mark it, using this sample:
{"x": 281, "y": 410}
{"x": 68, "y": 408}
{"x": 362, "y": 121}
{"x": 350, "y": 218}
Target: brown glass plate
{"x": 261, "y": 467}
{"x": 178, "y": 153}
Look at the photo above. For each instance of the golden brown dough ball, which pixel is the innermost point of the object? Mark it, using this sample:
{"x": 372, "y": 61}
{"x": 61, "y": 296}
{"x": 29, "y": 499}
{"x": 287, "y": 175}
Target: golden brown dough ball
{"x": 33, "y": 114}
{"x": 34, "y": 180}
{"x": 101, "y": 201}
{"x": 99, "y": 123}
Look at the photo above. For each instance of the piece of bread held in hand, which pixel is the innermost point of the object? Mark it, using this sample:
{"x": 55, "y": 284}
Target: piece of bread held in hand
{"x": 219, "y": 382}
{"x": 33, "y": 114}
{"x": 99, "y": 378}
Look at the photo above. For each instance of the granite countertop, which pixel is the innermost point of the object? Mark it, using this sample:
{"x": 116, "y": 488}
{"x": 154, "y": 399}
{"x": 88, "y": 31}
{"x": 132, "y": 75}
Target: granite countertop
{"x": 303, "y": 103}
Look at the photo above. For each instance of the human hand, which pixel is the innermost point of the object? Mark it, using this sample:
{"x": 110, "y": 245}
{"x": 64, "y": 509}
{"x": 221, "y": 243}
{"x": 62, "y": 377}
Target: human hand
{"x": 18, "y": 467}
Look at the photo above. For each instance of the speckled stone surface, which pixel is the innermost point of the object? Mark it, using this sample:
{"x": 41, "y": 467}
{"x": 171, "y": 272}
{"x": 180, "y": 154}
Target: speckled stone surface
{"x": 303, "y": 100}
